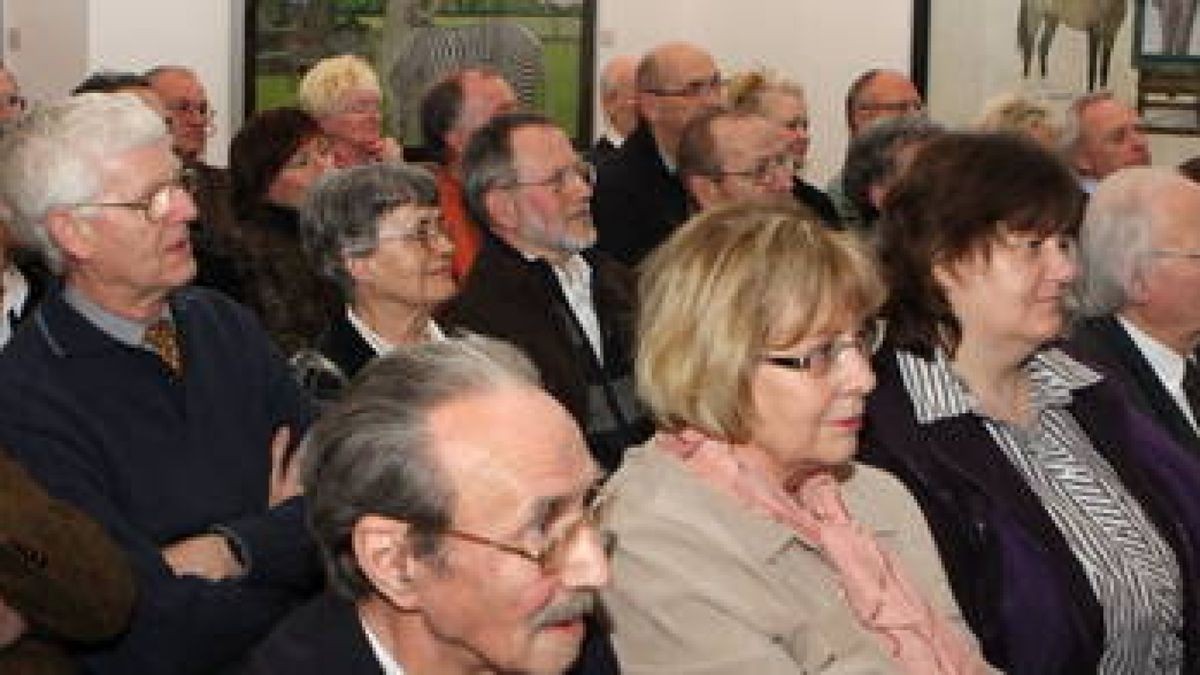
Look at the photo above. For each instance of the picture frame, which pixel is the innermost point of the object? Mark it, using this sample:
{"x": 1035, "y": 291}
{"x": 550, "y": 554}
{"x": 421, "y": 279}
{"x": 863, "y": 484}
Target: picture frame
{"x": 546, "y": 48}
{"x": 1165, "y": 32}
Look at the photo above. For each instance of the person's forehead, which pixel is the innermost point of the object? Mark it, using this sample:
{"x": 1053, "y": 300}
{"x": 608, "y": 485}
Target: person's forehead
{"x": 135, "y": 169}
{"x": 1175, "y": 214}
{"x": 747, "y": 136}
{"x": 889, "y": 86}
{"x": 783, "y": 103}
{"x": 539, "y": 144}
{"x": 520, "y": 446}
{"x": 683, "y": 65}
{"x": 8, "y": 83}
{"x": 1105, "y": 114}
{"x": 479, "y": 87}
{"x": 179, "y": 84}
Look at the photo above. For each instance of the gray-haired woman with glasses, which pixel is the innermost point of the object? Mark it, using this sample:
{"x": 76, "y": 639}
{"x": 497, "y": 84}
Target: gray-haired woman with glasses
{"x": 747, "y": 538}
{"x": 377, "y": 232}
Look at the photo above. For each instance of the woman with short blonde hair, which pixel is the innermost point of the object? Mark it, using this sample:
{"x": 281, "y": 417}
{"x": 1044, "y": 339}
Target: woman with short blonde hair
{"x": 343, "y": 94}
{"x": 747, "y": 539}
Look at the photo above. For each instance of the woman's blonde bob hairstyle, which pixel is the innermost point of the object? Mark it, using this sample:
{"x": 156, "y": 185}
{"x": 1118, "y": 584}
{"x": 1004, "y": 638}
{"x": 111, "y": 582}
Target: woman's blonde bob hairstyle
{"x": 324, "y": 87}
{"x": 728, "y": 285}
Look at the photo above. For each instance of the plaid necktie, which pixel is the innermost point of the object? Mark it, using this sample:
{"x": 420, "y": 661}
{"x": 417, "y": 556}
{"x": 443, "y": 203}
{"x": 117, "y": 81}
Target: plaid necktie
{"x": 164, "y": 341}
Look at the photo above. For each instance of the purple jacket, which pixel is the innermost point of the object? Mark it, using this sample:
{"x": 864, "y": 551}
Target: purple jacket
{"x": 1019, "y": 585}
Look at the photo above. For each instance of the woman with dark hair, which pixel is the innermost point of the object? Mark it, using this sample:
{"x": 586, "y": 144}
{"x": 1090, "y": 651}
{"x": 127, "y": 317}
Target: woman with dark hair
{"x": 1068, "y": 524}
{"x": 274, "y": 160}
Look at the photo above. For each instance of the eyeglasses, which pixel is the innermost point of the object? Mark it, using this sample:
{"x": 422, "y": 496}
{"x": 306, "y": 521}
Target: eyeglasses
{"x": 819, "y": 360}
{"x": 551, "y": 556}
{"x": 308, "y": 155}
{"x": 155, "y": 208}
{"x": 1171, "y": 253}
{"x": 14, "y": 101}
{"x": 199, "y": 108}
{"x": 557, "y": 180}
{"x": 897, "y": 107}
{"x": 428, "y": 228}
{"x": 692, "y": 89}
{"x": 765, "y": 168}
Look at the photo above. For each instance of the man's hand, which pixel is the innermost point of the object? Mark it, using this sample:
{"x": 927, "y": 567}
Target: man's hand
{"x": 285, "y": 479}
{"x": 12, "y": 625}
{"x": 207, "y": 556}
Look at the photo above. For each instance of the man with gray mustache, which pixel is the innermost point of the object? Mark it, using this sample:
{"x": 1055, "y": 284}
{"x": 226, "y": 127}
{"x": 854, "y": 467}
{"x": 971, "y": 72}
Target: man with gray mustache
{"x": 451, "y": 498}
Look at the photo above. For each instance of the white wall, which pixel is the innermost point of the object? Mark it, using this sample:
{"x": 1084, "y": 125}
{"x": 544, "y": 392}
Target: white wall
{"x": 61, "y": 41}
{"x": 823, "y": 45}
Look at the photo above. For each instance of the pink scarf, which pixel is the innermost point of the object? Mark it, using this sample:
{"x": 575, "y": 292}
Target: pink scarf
{"x": 876, "y": 588}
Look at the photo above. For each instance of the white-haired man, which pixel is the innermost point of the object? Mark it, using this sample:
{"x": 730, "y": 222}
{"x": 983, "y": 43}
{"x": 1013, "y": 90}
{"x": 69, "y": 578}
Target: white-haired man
{"x": 1140, "y": 245}
{"x": 159, "y": 409}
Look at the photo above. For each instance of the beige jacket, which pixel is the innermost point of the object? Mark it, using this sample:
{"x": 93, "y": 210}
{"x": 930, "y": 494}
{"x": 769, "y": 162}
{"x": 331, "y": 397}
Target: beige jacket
{"x": 700, "y": 584}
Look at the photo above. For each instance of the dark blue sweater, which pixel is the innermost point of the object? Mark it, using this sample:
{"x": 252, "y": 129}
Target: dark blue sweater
{"x": 156, "y": 460}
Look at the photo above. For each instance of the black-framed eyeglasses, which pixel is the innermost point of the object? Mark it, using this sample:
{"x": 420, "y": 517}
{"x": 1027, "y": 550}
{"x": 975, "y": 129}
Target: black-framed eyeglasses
{"x": 155, "y": 208}
{"x": 200, "y": 108}
{"x": 551, "y": 556}
{"x": 896, "y": 107}
{"x": 1173, "y": 253}
{"x": 819, "y": 360}
{"x": 558, "y": 180}
{"x": 764, "y": 169}
{"x": 692, "y": 89}
{"x": 14, "y": 101}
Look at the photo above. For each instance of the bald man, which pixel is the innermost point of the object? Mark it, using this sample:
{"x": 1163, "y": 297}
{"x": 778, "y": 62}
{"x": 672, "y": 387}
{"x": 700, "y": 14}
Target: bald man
{"x": 639, "y": 198}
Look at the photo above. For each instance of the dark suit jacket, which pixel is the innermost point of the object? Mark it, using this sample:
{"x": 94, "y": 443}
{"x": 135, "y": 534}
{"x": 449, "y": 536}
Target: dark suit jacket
{"x": 342, "y": 344}
{"x": 1104, "y": 343}
{"x": 325, "y": 637}
{"x": 637, "y": 202}
{"x": 602, "y": 151}
{"x": 60, "y": 571}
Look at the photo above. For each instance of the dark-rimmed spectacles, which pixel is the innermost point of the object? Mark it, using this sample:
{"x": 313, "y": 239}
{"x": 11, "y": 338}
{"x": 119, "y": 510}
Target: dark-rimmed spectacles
{"x": 155, "y": 208}
{"x": 692, "y": 89}
{"x": 765, "y": 168}
{"x": 819, "y": 360}
{"x": 558, "y": 180}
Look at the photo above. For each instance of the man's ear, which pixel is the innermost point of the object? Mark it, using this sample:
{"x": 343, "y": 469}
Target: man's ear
{"x": 359, "y": 267}
{"x": 703, "y": 189}
{"x": 75, "y": 236}
{"x": 501, "y": 207}
{"x": 384, "y": 551}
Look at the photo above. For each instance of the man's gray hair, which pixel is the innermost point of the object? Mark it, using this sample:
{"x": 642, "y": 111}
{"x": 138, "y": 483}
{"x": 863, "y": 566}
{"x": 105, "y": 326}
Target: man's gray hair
{"x": 342, "y": 212}
{"x": 871, "y": 157}
{"x": 1117, "y": 234}
{"x": 1072, "y": 130}
{"x": 56, "y": 156}
{"x": 372, "y": 452}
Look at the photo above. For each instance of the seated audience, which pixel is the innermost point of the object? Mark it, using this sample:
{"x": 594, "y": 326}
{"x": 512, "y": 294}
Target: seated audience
{"x": 639, "y": 198}
{"x": 1067, "y": 521}
{"x": 451, "y": 547}
{"x": 1140, "y": 243}
{"x": 191, "y": 120}
{"x": 539, "y": 284}
{"x": 160, "y": 410}
{"x": 376, "y": 231}
{"x": 1101, "y": 135}
{"x": 343, "y": 94}
{"x": 453, "y": 108}
{"x": 62, "y": 580}
{"x": 618, "y": 100}
{"x": 747, "y": 538}
{"x": 1019, "y": 114}
{"x": 877, "y": 158}
{"x": 783, "y": 102}
{"x": 726, "y": 156}
{"x": 275, "y": 159}
{"x": 876, "y": 94}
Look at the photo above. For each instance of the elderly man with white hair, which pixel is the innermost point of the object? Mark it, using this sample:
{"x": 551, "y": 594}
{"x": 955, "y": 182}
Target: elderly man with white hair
{"x": 159, "y": 409}
{"x": 1140, "y": 245}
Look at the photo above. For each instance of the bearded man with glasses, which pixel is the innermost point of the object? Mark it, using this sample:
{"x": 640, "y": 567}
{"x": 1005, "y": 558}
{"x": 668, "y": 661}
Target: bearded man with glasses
{"x": 538, "y": 283}
{"x": 159, "y": 409}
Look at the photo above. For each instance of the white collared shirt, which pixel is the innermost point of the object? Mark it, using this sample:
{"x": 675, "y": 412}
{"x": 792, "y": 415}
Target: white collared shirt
{"x": 16, "y": 292}
{"x": 575, "y": 278}
{"x": 1167, "y": 365}
{"x": 390, "y": 665}
{"x": 379, "y": 344}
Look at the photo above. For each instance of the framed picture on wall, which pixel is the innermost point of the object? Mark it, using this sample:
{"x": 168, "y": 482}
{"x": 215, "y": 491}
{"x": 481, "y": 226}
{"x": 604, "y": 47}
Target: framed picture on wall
{"x": 544, "y": 48}
{"x": 1165, "y": 32}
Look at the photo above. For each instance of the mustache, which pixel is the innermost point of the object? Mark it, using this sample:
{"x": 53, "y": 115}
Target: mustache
{"x": 574, "y": 607}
